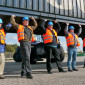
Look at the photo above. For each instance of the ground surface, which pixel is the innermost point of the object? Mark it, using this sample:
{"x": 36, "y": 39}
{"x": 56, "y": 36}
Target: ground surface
{"x": 40, "y": 76}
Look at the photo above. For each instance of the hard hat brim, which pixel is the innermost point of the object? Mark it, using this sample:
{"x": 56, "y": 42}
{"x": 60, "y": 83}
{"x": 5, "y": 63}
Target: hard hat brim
{"x": 26, "y": 19}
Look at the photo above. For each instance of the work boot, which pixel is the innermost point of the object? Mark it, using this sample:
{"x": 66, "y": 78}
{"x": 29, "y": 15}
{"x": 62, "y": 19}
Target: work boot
{"x": 29, "y": 75}
{"x": 22, "y": 74}
{"x": 75, "y": 69}
{"x": 70, "y": 70}
{"x": 61, "y": 70}
{"x": 2, "y": 77}
{"x": 49, "y": 72}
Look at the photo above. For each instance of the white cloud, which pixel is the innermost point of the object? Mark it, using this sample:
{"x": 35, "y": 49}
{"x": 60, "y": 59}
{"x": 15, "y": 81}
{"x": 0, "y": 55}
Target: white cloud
{"x": 11, "y": 43}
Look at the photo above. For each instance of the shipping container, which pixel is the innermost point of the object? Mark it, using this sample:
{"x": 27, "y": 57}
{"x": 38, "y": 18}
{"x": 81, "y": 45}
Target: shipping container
{"x": 72, "y": 11}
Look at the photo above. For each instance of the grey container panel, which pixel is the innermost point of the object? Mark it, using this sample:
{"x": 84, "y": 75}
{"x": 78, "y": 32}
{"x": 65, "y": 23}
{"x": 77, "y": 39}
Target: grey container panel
{"x": 9, "y": 3}
{"x": 75, "y": 8}
{"x": 22, "y": 13}
{"x": 29, "y": 4}
{"x": 79, "y": 8}
{"x": 46, "y": 8}
{"x": 70, "y": 4}
{"x": 52, "y": 5}
{"x": 2, "y": 2}
{"x": 41, "y": 5}
{"x": 61, "y": 7}
{"x": 72, "y": 8}
{"x": 82, "y": 8}
{"x": 66, "y": 7}
{"x": 16, "y": 3}
{"x": 56, "y": 6}
{"x": 35, "y": 5}
{"x": 23, "y": 3}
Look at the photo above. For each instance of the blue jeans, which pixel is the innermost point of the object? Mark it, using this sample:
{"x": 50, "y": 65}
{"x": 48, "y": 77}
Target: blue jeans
{"x": 72, "y": 53}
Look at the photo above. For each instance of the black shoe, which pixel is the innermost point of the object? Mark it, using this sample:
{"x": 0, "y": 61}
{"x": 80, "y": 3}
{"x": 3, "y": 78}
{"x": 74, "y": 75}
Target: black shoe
{"x": 50, "y": 72}
{"x": 84, "y": 67}
{"x": 22, "y": 73}
{"x": 75, "y": 69}
{"x": 70, "y": 70}
{"x": 29, "y": 75}
{"x": 2, "y": 77}
{"x": 61, "y": 70}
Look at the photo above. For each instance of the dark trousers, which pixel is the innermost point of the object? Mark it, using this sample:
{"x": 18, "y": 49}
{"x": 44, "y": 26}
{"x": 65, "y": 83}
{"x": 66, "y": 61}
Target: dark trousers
{"x": 55, "y": 52}
{"x": 25, "y": 49}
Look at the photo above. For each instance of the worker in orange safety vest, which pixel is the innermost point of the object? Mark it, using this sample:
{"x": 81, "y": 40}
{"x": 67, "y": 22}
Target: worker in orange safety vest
{"x": 3, "y": 31}
{"x": 25, "y": 34}
{"x": 50, "y": 39}
{"x": 72, "y": 43}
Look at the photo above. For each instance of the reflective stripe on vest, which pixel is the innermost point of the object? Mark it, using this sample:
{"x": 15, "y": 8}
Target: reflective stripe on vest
{"x": 70, "y": 40}
{"x": 84, "y": 42}
{"x": 2, "y": 36}
{"x": 20, "y": 32}
{"x": 33, "y": 39}
{"x": 48, "y": 37}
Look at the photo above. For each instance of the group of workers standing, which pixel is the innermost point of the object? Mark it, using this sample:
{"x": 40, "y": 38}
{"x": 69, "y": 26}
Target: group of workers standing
{"x": 50, "y": 38}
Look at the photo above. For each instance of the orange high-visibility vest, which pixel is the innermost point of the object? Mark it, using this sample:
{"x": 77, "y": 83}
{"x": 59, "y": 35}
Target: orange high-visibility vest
{"x": 70, "y": 40}
{"x": 48, "y": 36}
{"x": 2, "y": 36}
{"x": 84, "y": 42}
{"x": 33, "y": 39}
{"x": 20, "y": 32}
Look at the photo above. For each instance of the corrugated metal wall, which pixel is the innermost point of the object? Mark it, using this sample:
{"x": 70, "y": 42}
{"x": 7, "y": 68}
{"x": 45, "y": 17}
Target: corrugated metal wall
{"x": 72, "y": 8}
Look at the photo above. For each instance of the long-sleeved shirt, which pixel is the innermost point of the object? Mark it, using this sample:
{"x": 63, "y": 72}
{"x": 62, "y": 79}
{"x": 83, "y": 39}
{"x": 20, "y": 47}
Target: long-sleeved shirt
{"x": 66, "y": 34}
{"x": 57, "y": 27}
{"x": 54, "y": 42}
{"x": 6, "y": 28}
{"x": 27, "y": 31}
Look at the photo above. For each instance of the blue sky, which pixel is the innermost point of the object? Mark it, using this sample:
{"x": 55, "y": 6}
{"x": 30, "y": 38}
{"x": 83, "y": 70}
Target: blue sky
{"x": 11, "y": 38}
{"x": 63, "y": 43}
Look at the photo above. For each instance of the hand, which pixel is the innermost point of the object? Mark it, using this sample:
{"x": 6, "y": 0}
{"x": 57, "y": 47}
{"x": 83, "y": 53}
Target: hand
{"x": 32, "y": 18}
{"x": 45, "y": 20}
{"x": 79, "y": 25}
{"x": 67, "y": 23}
{"x": 13, "y": 16}
{"x": 55, "y": 21}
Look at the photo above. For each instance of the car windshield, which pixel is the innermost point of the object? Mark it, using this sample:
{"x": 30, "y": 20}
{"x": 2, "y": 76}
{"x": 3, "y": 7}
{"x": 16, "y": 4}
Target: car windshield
{"x": 38, "y": 39}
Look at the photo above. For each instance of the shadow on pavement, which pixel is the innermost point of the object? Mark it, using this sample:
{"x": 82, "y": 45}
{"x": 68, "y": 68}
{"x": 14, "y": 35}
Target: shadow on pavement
{"x": 13, "y": 68}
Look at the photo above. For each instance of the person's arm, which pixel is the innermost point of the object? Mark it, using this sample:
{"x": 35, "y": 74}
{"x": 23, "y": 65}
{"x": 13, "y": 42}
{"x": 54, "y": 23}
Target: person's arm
{"x": 7, "y": 27}
{"x": 41, "y": 27}
{"x": 42, "y": 23}
{"x": 80, "y": 30}
{"x": 0, "y": 36}
{"x": 57, "y": 26}
{"x": 66, "y": 29}
{"x": 12, "y": 21}
{"x": 35, "y": 24}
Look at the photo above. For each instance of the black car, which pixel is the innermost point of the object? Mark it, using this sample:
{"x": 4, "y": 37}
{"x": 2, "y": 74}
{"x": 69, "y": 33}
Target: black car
{"x": 38, "y": 52}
